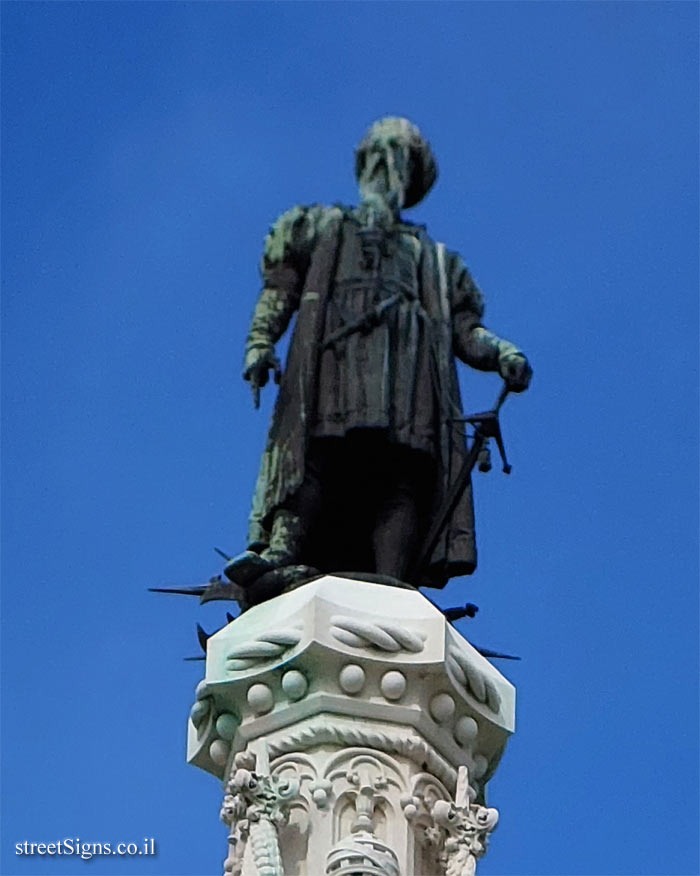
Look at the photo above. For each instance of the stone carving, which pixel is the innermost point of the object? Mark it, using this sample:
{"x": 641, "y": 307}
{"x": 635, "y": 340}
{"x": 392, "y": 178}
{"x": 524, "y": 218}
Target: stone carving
{"x": 365, "y": 776}
{"x": 363, "y": 743}
{"x": 481, "y": 688}
{"x": 226, "y": 725}
{"x": 393, "y": 684}
{"x": 295, "y": 684}
{"x": 320, "y": 792}
{"x": 260, "y": 698}
{"x": 362, "y": 853}
{"x": 214, "y": 732}
{"x": 219, "y": 751}
{"x": 322, "y": 732}
{"x": 417, "y": 806}
{"x": 200, "y": 711}
{"x": 254, "y": 807}
{"x": 351, "y": 678}
{"x": 302, "y": 771}
{"x": 468, "y": 828}
{"x": 442, "y": 708}
{"x": 203, "y": 717}
{"x": 466, "y": 730}
{"x": 382, "y": 636}
{"x": 266, "y": 646}
{"x": 237, "y": 839}
{"x": 362, "y": 781}
{"x": 458, "y": 830}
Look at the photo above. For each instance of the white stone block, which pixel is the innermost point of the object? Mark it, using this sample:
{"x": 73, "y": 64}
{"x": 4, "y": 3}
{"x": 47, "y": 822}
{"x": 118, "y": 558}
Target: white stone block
{"x": 364, "y": 699}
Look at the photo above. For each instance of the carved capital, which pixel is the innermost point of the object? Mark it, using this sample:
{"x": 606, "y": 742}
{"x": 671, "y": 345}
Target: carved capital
{"x": 343, "y": 717}
{"x": 255, "y": 805}
{"x": 458, "y": 828}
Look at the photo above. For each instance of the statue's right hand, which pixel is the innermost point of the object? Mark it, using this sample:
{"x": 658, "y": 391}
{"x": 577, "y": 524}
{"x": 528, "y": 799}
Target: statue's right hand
{"x": 258, "y": 363}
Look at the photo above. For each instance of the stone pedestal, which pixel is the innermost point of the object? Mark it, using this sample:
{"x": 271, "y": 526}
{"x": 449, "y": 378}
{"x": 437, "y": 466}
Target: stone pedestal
{"x": 354, "y": 730}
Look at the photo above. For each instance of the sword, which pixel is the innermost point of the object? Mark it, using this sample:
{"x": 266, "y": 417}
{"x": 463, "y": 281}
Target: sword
{"x": 365, "y": 323}
{"x": 486, "y": 425}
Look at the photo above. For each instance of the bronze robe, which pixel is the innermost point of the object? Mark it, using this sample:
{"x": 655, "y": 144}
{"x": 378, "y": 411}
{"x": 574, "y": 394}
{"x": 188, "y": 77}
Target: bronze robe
{"x": 397, "y": 373}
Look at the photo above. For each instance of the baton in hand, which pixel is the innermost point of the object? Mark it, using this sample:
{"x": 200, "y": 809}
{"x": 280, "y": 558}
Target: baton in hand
{"x": 257, "y": 385}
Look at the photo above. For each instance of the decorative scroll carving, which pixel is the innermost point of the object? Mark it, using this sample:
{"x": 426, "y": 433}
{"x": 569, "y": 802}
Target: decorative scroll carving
{"x": 266, "y": 646}
{"x": 425, "y": 792}
{"x": 459, "y": 829}
{"x": 369, "y": 779}
{"x": 384, "y": 636}
{"x": 255, "y": 805}
{"x": 474, "y": 681}
{"x": 303, "y": 770}
{"x": 363, "y": 781}
{"x": 321, "y": 732}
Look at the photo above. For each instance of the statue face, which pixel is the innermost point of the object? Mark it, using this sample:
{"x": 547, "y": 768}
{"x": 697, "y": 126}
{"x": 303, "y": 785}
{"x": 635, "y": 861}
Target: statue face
{"x": 387, "y": 169}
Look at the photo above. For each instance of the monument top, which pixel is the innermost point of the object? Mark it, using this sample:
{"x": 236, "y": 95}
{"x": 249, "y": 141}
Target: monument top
{"x": 367, "y": 467}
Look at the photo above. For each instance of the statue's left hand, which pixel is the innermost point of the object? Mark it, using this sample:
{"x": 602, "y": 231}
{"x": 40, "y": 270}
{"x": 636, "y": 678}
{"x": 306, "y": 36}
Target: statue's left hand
{"x": 516, "y": 371}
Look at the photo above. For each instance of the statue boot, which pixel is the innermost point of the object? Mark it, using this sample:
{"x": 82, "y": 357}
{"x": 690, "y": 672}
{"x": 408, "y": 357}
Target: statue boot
{"x": 286, "y": 539}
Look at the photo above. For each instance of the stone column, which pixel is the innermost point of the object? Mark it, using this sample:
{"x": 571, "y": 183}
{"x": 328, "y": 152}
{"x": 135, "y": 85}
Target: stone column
{"x": 354, "y": 730}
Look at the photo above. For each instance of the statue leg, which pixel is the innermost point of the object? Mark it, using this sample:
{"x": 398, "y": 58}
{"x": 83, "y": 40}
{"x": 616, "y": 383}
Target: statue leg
{"x": 290, "y": 524}
{"x": 286, "y": 539}
{"x": 397, "y": 527}
{"x": 395, "y": 532}
{"x": 296, "y": 518}
{"x": 401, "y": 510}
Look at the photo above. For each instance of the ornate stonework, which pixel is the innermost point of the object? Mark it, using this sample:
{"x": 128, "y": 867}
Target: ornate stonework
{"x": 354, "y": 730}
{"x": 457, "y": 830}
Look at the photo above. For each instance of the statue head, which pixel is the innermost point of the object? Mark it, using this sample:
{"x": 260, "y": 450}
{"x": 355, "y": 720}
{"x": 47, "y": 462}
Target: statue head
{"x": 395, "y": 162}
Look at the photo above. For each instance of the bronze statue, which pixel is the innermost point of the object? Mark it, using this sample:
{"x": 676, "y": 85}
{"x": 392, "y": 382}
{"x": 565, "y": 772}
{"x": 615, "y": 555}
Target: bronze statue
{"x": 367, "y": 436}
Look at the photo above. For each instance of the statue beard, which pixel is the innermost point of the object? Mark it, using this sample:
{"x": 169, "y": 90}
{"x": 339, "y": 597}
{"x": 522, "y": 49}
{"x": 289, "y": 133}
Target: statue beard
{"x": 382, "y": 188}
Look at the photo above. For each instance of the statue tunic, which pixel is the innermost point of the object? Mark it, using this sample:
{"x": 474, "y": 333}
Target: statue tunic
{"x": 373, "y": 347}
{"x": 378, "y": 374}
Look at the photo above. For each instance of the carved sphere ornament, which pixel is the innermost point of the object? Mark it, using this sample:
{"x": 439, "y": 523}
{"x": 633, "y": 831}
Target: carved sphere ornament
{"x": 260, "y": 698}
{"x": 442, "y": 707}
{"x": 393, "y": 685}
{"x": 294, "y": 684}
{"x": 466, "y": 730}
{"x": 219, "y": 751}
{"x": 480, "y": 766}
{"x": 199, "y": 712}
{"x": 226, "y": 725}
{"x": 352, "y": 678}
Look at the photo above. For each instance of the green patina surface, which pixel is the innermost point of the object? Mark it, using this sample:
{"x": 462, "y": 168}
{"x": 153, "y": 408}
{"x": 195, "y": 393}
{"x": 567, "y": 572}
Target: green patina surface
{"x": 382, "y": 313}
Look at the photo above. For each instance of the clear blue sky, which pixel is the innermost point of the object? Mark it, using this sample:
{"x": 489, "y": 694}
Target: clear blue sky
{"x": 146, "y": 149}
